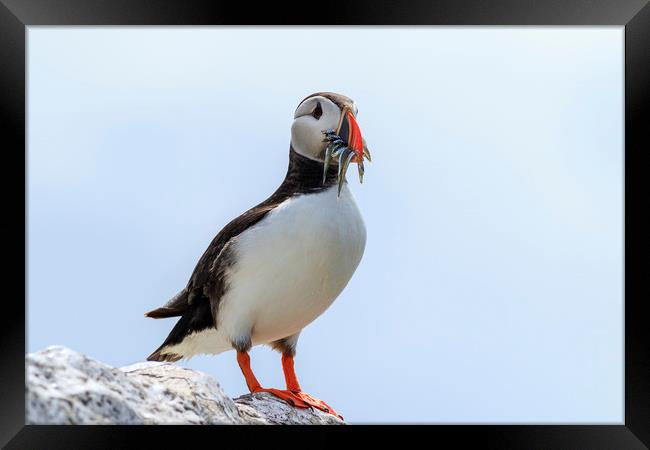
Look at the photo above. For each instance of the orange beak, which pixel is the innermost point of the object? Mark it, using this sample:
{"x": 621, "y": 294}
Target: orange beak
{"x": 351, "y": 133}
{"x": 347, "y": 145}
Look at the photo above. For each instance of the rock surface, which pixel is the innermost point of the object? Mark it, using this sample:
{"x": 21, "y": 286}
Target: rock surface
{"x": 66, "y": 387}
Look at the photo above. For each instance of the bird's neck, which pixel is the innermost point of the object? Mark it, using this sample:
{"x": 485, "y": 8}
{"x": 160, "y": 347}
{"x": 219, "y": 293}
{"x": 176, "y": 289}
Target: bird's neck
{"x": 306, "y": 174}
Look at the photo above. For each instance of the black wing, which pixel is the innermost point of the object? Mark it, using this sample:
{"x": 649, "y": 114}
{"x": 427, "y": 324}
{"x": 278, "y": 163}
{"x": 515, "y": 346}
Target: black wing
{"x": 207, "y": 280}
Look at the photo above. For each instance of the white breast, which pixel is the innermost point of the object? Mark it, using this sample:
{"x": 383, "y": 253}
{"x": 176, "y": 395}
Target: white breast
{"x": 291, "y": 266}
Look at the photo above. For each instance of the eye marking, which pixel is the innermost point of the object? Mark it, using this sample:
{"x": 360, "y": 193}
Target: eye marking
{"x": 317, "y": 112}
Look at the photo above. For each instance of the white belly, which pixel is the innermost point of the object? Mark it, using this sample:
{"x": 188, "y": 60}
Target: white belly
{"x": 291, "y": 266}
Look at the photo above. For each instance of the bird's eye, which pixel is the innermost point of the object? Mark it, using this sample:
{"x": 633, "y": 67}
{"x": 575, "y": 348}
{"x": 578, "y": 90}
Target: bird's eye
{"x": 318, "y": 111}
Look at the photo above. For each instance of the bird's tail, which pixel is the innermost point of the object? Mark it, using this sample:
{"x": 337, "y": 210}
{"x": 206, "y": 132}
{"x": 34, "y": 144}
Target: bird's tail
{"x": 163, "y": 312}
{"x": 161, "y": 355}
{"x": 174, "y": 307}
{"x": 195, "y": 318}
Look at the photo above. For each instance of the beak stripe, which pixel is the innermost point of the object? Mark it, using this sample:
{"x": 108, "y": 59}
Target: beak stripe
{"x": 348, "y": 125}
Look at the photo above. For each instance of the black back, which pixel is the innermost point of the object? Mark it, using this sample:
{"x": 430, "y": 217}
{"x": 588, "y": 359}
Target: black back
{"x": 198, "y": 303}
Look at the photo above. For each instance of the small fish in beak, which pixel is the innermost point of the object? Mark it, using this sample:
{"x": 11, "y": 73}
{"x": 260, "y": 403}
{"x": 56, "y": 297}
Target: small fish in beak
{"x": 345, "y": 145}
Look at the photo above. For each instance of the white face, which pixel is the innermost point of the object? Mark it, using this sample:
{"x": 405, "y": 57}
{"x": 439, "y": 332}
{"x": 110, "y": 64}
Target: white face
{"x": 312, "y": 117}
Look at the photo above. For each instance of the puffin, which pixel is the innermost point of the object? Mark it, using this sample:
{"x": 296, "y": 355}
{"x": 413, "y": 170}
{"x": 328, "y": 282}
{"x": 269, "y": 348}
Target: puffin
{"x": 278, "y": 266}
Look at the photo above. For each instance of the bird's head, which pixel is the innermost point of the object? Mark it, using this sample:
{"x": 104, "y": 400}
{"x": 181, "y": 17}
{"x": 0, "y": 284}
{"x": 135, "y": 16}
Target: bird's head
{"x": 325, "y": 129}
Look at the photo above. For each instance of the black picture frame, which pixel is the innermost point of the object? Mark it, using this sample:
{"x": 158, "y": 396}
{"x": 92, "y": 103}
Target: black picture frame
{"x": 16, "y": 15}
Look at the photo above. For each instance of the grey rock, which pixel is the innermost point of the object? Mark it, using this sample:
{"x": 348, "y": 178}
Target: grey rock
{"x": 67, "y": 387}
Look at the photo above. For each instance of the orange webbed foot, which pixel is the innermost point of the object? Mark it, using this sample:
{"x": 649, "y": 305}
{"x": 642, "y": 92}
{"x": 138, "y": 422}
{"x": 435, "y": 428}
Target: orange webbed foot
{"x": 300, "y": 399}
{"x": 293, "y": 395}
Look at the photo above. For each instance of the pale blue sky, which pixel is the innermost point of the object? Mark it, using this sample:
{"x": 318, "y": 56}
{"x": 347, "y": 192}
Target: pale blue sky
{"x": 491, "y": 287}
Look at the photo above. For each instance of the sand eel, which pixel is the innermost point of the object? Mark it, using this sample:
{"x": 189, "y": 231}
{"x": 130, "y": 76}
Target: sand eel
{"x": 277, "y": 267}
